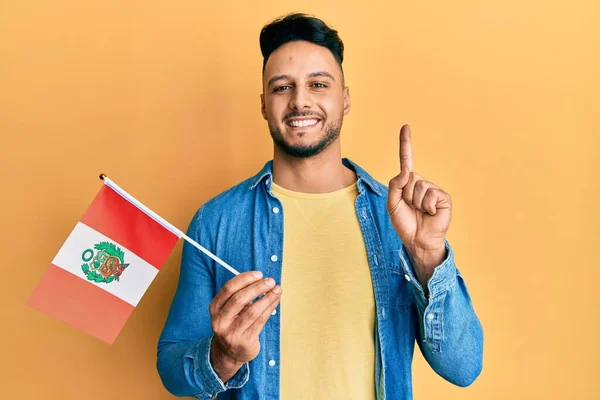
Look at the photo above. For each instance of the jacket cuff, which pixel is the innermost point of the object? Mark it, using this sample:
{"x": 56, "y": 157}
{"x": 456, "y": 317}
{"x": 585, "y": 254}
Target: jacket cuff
{"x": 444, "y": 275}
{"x": 431, "y": 315}
{"x": 213, "y": 385}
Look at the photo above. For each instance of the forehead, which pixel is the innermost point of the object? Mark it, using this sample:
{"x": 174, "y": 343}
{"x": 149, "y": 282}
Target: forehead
{"x": 298, "y": 59}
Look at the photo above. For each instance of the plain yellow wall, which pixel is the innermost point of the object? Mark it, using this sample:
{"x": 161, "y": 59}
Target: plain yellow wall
{"x": 163, "y": 96}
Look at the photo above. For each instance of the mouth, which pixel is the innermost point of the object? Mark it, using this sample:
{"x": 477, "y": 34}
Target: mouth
{"x": 302, "y": 123}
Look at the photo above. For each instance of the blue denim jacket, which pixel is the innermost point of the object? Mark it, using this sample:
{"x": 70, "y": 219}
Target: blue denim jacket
{"x": 241, "y": 227}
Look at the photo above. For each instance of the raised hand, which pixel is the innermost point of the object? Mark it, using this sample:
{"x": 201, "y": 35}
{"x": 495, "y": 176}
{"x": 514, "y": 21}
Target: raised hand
{"x": 419, "y": 210}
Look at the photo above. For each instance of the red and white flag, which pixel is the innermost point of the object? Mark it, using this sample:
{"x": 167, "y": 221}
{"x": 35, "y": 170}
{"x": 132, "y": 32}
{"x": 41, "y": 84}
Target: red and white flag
{"x": 106, "y": 264}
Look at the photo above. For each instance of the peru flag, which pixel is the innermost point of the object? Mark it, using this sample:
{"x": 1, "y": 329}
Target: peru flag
{"x": 104, "y": 267}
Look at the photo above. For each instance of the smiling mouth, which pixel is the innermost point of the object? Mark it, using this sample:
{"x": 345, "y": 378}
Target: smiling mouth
{"x": 303, "y": 123}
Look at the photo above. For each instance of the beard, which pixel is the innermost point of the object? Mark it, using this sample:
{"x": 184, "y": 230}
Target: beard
{"x": 331, "y": 133}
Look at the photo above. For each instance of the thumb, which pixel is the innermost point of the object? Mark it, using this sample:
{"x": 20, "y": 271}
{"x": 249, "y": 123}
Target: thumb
{"x": 395, "y": 189}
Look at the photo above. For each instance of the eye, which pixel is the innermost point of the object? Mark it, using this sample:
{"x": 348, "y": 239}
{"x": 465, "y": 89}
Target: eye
{"x": 281, "y": 88}
{"x": 319, "y": 85}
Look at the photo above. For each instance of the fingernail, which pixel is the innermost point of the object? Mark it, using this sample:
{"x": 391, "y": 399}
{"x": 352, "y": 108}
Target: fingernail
{"x": 277, "y": 289}
{"x": 257, "y": 274}
{"x": 270, "y": 282}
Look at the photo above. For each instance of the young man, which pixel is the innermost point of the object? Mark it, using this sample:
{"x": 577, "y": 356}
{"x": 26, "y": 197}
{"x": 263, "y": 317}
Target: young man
{"x": 366, "y": 270}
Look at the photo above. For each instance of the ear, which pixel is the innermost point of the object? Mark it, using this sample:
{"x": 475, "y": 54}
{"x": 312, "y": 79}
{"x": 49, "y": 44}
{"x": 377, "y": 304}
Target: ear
{"x": 347, "y": 102}
{"x": 262, "y": 106}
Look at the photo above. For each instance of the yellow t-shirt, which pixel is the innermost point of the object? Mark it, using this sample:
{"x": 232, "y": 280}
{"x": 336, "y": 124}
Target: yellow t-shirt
{"x": 327, "y": 306}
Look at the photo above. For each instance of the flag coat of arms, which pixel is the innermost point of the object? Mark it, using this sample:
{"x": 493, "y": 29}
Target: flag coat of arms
{"x": 104, "y": 267}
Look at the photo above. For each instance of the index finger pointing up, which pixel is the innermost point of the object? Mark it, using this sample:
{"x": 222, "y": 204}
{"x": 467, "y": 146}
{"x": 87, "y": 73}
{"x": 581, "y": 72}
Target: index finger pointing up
{"x": 406, "y": 157}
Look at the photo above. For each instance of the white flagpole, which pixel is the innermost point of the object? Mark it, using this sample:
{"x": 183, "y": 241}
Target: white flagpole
{"x": 163, "y": 222}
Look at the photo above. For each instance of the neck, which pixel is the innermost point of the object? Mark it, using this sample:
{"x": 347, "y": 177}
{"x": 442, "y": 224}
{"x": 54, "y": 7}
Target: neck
{"x": 322, "y": 173}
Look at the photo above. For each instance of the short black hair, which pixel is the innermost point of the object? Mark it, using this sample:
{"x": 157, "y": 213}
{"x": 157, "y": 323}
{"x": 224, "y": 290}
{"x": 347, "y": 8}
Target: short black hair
{"x": 299, "y": 26}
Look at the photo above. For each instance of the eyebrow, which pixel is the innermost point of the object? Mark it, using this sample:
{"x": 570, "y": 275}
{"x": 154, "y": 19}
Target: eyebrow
{"x": 312, "y": 75}
{"x": 322, "y": 74}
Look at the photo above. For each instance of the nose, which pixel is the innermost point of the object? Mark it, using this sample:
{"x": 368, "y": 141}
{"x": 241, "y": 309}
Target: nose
{"x": 300, "y": 99}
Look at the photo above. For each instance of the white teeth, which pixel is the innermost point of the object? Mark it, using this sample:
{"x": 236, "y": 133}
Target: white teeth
{"x": 306, "y": 122}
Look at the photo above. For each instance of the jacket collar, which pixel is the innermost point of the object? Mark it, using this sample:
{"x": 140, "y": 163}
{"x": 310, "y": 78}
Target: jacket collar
{"x": 266, "y": 174}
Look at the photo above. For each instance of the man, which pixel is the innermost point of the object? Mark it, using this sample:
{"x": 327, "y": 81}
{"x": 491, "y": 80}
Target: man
{"x": 366, "y": 270}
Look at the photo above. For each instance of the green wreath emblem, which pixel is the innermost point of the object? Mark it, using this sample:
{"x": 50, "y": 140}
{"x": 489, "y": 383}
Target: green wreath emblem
{"x": 110, "y": 249}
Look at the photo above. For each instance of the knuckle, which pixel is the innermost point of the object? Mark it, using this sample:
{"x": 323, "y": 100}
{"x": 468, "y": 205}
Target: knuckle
{"x": 226, "y": 290}
{"x": 252, "y": 313}
{"x": 262, "y": 319}
{"x": 236, "y": 300}
{"x": 416, "y": 177}
{"x": 214, "y": 325}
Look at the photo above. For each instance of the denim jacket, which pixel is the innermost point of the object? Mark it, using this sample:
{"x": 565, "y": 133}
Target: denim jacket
{"x": 244, "y": 227}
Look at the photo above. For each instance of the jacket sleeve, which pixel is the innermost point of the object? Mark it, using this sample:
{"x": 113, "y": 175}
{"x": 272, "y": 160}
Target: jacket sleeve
{"x": 450, "y": 335}
{"x": 183, "y": 359}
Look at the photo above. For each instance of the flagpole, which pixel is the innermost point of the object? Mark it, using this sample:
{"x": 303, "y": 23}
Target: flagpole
{"x": 163, "y": 222}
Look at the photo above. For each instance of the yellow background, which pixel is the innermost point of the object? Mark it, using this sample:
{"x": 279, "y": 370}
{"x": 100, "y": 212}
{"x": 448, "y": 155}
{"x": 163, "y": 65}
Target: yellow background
{"x": 163, "y": 96}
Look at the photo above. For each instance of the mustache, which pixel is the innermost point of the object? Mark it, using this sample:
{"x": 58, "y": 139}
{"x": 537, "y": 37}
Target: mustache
{"x": 295, "y": 114}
